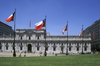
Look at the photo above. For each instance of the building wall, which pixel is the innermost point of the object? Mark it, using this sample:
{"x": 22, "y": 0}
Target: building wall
{"x": 42, "y": 48}
{"x": 94, "y": 28}
{"x": 5, "y": 29}
{"x": 26, "y": 39}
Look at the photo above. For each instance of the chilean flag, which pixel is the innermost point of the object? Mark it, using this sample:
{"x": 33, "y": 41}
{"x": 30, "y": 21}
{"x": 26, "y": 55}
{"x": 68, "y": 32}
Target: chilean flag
{"x": 80, "y": 33}
{"x": 65, "y": 29}
{"x": 10, "y": 18}
{"x": 40, "y": 24}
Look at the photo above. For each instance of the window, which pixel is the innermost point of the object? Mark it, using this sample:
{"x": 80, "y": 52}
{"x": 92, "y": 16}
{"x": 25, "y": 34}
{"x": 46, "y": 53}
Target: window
{"x": 46, "y": 47}
{"x": 38, "y": 47}
{"x": 70, "y": 47}
{"x": 7, "y": 46}
{"x": 85, "y": 47}
{"x": 62, "y": 47}
{"x": 21, "y": 38}
{"x": 0, "y": 46}
{"x": 38, "y": 38}
{"x": 29, "y": 37}
{"x": 54, "y": 47}
{"x": 77, "y": 47}
{"x": 21, "y": 46}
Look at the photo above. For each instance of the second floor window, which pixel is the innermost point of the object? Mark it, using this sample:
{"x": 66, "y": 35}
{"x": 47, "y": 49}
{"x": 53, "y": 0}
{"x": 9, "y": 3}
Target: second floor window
{"x": 38, "y": 38}
{"x": 29, "y": 38}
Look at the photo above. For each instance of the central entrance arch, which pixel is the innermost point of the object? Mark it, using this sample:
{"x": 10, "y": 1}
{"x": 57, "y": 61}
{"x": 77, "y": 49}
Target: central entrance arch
{"x": 29, "y": 48}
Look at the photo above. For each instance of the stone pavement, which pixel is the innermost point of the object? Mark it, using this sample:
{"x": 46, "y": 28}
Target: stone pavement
{"x": 18, "y": 54}
{"x": 10, "y": 54}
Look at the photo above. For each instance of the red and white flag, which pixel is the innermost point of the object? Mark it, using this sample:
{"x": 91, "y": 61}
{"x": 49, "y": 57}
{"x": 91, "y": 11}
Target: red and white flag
{"x": 10, "y": 18}
{"x": 40, "y": 24}
{"x": 81, "y": 32}
{"x": 64, "y": 29}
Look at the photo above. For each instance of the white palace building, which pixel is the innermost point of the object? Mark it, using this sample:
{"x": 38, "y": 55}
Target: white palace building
{"x": 31, "y": 40}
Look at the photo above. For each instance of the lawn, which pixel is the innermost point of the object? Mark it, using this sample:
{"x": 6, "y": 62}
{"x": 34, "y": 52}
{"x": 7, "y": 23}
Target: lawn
{"x": 70, "y": 60}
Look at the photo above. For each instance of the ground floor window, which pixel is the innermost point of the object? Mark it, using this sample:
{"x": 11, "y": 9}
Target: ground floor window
{"x": 54, "y": 47}
{"x": 69, "y": 47}
{"x": 85, "y": 47}
{"x": 0, "y": 46}
{"x": 77, "y": 47}
{"x": 62, "y": 47}
{"x": 29, "y": 48}
{"x": 38, "y": 47}
{"x": 13, "y": 46}
{"x": 7, "y": 46}
{"x": 46, "y": 47}
{"x": 21, "y": 46}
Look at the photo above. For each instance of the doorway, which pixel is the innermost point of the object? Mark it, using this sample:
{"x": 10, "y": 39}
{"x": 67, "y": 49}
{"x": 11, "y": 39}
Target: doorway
{"x": 29, "y": 48}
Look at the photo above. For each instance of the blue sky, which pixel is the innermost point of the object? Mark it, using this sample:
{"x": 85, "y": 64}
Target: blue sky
{"x": 58, "y": 12}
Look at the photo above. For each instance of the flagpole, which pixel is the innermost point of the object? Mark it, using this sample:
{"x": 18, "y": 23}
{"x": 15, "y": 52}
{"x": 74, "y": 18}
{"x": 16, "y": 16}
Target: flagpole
{"x": 45, "y": 54}
{"x": 82, "y": 40}
{"x": 67, "y": 40}
{"x": 14, "y": 53}
{"x": 30, "y": 24}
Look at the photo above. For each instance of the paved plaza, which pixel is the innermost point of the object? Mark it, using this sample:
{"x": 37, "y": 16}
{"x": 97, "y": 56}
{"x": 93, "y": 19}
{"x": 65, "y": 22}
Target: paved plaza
{"x": 10, "y": 54}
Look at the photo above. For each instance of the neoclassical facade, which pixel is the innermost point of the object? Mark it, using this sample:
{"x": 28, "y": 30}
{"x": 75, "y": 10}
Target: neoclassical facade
{"x": 31, "y": 40}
